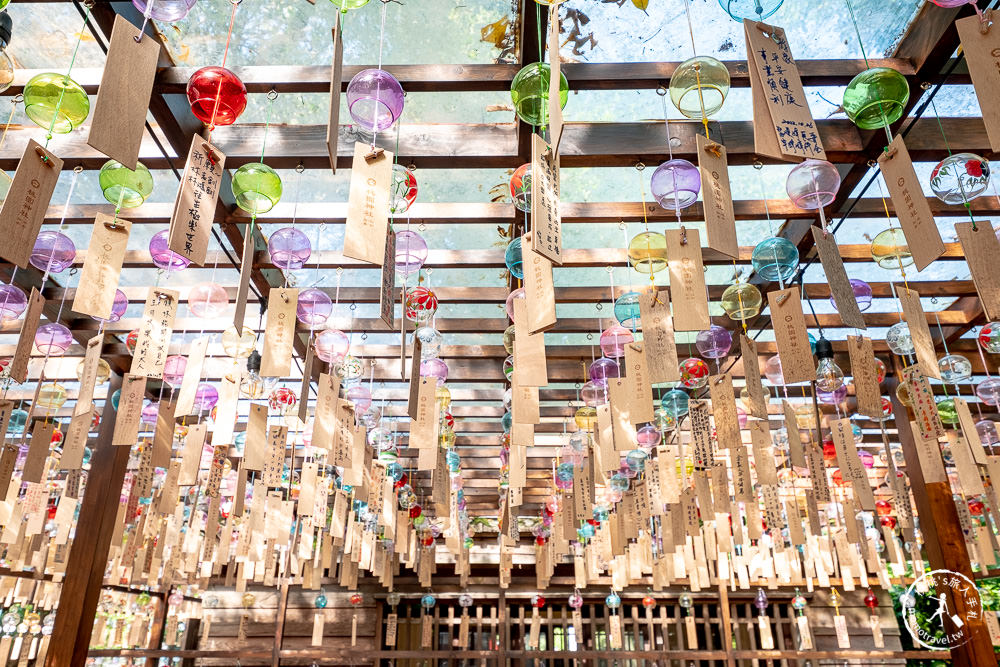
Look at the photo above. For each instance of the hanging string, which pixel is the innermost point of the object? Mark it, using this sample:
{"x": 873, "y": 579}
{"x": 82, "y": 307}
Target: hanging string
{"x": 759, "y": 166}
{"x": 697, "y": 67}
{"x": 739, "y": 298}
{"x": 77, "y": 170}
{"x": 645, "y": 223}
{"x": 13, "y": 107}
{"x": 272, "y": 95}
{"x": 89, "y": 4}
{"x": 299, "y": 168}
{"x": 225, "y": 56}
{"x": 662, "y": 92}
{"x": 62, "y": 221}
{"x": 146, "y": 15}
{"x": 378, "y": 89}
{"x": 861, "y": 44}
{"x": 857, "y": 31}
{"x": 885, "y": 207}
{"x": 961, "y": 186}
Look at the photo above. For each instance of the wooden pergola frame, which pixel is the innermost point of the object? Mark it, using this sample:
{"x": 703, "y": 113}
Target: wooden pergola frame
{"x": 923, "y": 55}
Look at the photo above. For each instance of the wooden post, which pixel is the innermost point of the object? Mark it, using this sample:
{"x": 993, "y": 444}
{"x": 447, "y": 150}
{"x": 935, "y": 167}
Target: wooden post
{"x": 88, "y": 556}
{"x": 279, "y": 631}
{"x": 191, "y": 640}
{"x": 727, "y": 623}
{"x": 943, "y": 538}
{"x": 503, "y": 620}
{"x": 159, "y": 620}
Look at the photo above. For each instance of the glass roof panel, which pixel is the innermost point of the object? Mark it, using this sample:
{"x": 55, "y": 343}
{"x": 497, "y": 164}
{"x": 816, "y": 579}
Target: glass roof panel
{"x": 278, "y": 32}
{"x": 617, "y": 31}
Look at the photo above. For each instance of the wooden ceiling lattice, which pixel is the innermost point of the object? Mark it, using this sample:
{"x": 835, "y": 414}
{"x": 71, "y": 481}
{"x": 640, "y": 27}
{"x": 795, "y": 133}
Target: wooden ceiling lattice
{"x": 472, "y": 341}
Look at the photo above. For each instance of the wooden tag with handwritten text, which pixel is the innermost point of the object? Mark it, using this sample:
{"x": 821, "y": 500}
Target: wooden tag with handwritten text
{"x": 530, "y": 368}
{"x": 279, "y": 334}
{"x": 197, "y": 198}
{"x": 783, "y": 124}
{"x": 920, "y": 331}
{"x": 865, "y": 382}
{"x": 336, "y": 79}
{"x": 153, "y": 343}
{"x": 751, "y": 371}
{"x": 836, "y": 275}
{"x": 129, "y": 410}
{"x": 720, "y": 219}
{"x": 539, "y": 290}
{"x": 23, "y": 209}
{"x": 687, "y": 280}
{"x": 981, "y": 49}
{"x": 912, "y": 210}
{"x": 546, "y": 237}
{"x": 658, "y": 336}
{"x": 790, "y": 333}
{"x": 102, "y": 266}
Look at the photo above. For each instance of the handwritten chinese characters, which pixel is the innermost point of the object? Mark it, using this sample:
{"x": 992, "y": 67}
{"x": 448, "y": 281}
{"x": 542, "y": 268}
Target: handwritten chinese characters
{"x": 547, "y": 236}
{"x": 154, "y": 333}
{"x": 783, "y": 125}
{"x": 23, "y": 209}
{"x": 912, "y": 210}
{"x": 194, "y": 210}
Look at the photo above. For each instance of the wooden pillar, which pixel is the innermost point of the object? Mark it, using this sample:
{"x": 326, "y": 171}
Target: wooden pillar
{"x": 504, "y": 622}
{"x": 943, "y": 538}
{"x": 88, "y": 556}
{"x": 279, "y": 630}
{"x": 727, "y": 623}
{"x": 159, "y": 621}
{"x": 191, "y": 640}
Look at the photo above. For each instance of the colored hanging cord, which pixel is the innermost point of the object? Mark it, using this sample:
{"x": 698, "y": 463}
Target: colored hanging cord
{"x": 961, "y": 186}
{"x": 885, "y": 207}
{"x": 857, "y": 31}
{"x": 697, "y": 68}
{"x": 62, "y": 91}
{"x": 295, "y": 206}
{"x": 271, "y": 96}
{"x": 639, "y": 167}
{"x": 225, "y": 56}
{"x": 861, "y": 45}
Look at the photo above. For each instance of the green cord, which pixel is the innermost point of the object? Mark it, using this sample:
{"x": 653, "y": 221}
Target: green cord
{"x": 62, "y": 92}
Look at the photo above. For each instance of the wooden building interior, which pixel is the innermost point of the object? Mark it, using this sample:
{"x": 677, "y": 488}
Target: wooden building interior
{"x": 136, "y": 567}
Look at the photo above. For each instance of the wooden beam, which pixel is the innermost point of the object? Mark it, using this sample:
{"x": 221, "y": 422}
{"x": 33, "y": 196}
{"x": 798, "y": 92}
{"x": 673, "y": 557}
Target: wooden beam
{"x": 481, "y": 213}
{"x": 261, "y": 79}
{"x": 455, "y": 146}
{"x": 494, "y": 258}
{"x": 580, "y": 294}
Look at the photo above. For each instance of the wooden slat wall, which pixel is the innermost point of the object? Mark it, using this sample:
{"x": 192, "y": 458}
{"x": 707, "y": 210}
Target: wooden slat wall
{"x": 224, "y": 621}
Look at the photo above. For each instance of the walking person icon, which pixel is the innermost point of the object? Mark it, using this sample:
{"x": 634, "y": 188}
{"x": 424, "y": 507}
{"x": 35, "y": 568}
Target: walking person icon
{"x": 942, "y": 610}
